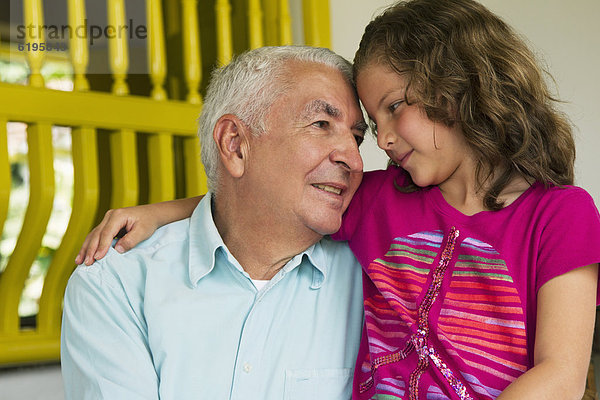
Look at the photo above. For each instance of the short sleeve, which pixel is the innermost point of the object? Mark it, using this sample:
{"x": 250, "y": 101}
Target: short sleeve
{"x": 571, "y": 236}
{"x": 370, "y": 188}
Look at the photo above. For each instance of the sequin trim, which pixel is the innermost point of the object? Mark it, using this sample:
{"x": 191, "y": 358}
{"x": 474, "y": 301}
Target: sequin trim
{"x": 418, "y": 341}
{"x": 454, "y": 382}
{"x": 384, "y": 360}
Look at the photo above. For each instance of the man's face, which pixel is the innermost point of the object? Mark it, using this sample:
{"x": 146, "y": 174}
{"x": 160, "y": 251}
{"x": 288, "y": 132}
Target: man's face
{"x": 307, "y": 165}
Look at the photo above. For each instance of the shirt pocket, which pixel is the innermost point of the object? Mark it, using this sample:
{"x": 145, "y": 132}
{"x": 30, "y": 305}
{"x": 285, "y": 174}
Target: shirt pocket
{"x": 330, "y": 384}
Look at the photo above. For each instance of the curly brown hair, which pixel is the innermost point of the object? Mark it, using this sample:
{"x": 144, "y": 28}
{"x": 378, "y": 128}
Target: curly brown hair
{"x": 464, "y": 65}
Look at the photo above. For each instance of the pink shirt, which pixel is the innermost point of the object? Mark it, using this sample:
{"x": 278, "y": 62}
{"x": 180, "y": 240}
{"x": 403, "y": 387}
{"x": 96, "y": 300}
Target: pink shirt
{"x": 450, "y": 299}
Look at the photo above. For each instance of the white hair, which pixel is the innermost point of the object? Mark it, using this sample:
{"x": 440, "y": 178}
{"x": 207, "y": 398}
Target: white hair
{"x": 248, "y": 86}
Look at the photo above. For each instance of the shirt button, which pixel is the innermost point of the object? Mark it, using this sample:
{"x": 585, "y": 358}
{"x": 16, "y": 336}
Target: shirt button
{"x": 247, "y": 368}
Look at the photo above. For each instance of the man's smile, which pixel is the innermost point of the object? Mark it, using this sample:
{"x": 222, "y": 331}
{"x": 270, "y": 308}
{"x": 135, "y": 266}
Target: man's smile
{"x": 328, "y": 188}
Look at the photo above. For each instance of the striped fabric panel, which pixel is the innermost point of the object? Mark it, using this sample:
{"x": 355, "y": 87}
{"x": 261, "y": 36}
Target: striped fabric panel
{"x": 393, "y": 389}
{"x": 399, "y": 276}
{"x": 385, "y": 397}
{"x": 435, "y": 393}
{"x": 482, "y": 320}
{"x": 481, "y": 388}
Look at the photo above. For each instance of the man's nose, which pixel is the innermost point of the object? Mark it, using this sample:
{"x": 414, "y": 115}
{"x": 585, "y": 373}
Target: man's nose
{"x": 346, "y": 154}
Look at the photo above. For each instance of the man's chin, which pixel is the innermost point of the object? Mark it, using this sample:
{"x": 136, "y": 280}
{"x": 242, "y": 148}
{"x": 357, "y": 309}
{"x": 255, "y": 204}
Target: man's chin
{"x": 329, "y": 228}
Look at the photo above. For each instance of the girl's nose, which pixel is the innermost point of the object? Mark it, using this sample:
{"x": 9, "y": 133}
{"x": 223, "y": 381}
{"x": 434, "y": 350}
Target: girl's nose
{"x": 386, "y": 139}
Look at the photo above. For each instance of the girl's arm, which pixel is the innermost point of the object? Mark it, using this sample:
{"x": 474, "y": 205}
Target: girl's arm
{"x": 140, "y": 222}
{"x": 566, "y": 313}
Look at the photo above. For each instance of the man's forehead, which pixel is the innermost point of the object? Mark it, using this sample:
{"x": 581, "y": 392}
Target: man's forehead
{"x": 318, "y": 107}
{"x": 313, "y": 73}
{"x": 326, "y": 88}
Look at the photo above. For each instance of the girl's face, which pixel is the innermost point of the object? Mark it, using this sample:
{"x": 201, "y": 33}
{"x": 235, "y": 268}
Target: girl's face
{"x": 432, "y": 153}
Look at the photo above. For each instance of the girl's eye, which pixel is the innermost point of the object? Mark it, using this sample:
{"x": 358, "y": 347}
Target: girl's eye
{"x": 321, "y": 124}
{"x": 395, "y": 105}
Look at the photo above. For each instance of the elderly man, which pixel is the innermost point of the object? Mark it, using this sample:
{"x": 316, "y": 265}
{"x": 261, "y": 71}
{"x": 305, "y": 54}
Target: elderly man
{"x": 245, "y": 299}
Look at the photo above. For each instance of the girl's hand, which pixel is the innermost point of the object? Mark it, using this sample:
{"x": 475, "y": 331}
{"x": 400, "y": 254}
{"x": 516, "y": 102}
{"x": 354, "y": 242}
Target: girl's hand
{"x": 138, "y": 222}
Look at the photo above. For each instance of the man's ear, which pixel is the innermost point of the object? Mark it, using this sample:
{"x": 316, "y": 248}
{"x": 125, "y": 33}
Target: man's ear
{"x": 231, "y": 136}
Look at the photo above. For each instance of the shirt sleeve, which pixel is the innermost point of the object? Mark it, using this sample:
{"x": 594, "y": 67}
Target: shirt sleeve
{"x": 104, "y": 351}
{"x": 571, "y": 236}
{"x": 369, "y": 190}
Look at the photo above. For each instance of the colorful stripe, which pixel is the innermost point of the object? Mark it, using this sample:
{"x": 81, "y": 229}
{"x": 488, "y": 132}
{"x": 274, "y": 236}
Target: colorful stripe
{"x": 478, "y": 274}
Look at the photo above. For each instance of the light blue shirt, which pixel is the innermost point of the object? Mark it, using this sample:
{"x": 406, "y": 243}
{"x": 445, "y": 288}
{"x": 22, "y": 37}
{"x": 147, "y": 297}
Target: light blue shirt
{"x": 178, "y": 318}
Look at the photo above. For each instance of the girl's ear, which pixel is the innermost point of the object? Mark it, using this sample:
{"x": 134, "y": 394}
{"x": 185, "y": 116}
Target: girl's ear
{"x": 231, "y": 137}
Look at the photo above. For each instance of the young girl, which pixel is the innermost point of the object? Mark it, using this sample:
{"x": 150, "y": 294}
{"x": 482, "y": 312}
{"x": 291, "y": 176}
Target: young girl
{"x": 480, "y": 260}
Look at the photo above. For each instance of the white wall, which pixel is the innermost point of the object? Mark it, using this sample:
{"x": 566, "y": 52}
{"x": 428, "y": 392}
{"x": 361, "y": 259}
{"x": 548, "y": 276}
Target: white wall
{"x": 564, "y": 34}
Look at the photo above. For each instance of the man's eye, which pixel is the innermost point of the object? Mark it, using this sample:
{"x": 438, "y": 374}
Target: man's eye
{"x": 321, "y": 124}
{"x": 359, "y": 139}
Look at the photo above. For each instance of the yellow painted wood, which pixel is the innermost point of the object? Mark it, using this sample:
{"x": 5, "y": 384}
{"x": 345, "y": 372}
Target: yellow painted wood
{"x": 317, "y": 31}
{"x": 78, "y": 45}
{"x": 118, "y": 48}
{"x": 160, "y": 146}
{"x": 285, "y": 24}
{"x": 191, "y": 50}
{"x": 85, "y": 201}
{"x": 28, "y": 347}
{"x": 224, "y": 39}
{"x": 5, "y": 179}
{"x": 161, "y": 167}
{"x": 173, "y": 19}
{"x": 41, "y": 194}
{"x": 195, "y": 177}
{"x": 255, "y": 24}
{"x": 157, "y": 61}
{"x": 123, "y": 161}
{"x": 271, "y": 18}
{"x": 102, "y": 110}
{"x": 34, "y": 16}
{"x": 278, "y": 23}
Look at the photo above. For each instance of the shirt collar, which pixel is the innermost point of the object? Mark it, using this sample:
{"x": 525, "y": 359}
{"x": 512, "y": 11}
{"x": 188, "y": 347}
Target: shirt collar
{"x": 317, "y": 258}
{"x": 205, "y": 241}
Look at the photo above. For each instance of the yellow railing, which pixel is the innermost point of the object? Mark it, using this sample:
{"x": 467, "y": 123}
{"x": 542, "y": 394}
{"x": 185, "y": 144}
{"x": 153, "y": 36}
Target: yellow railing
{"x": 122, "y": 119}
